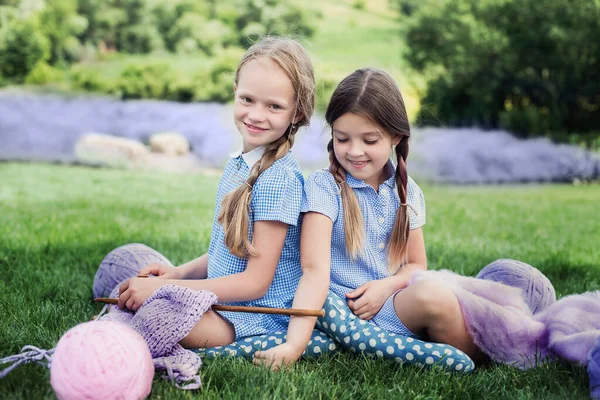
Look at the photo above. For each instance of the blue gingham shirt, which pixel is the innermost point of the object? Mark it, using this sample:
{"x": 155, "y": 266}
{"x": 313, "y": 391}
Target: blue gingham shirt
{"x": 276, "y": 196}
{"x": 321, "y": 194}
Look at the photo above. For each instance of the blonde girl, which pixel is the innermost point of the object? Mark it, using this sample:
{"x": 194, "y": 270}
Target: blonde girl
{"x": 253, "y": 254}
{"x": 362, "y": 232}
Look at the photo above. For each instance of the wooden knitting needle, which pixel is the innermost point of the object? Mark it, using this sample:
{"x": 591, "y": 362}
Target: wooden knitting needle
{"x": 256, "y": 310}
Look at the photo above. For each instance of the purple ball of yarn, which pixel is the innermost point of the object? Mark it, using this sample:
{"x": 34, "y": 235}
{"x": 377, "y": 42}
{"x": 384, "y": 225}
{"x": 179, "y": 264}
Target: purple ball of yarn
{"x": 538, "y": 291}
{"x": 123, "y": 263}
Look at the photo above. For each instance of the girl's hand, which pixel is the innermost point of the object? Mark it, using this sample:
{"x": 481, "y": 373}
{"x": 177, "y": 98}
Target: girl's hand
{"x": 133, "y": 292}
{"x": 367, "y": 300}
{"x": 162, "y": 271}
{"x": 278, "y": 357}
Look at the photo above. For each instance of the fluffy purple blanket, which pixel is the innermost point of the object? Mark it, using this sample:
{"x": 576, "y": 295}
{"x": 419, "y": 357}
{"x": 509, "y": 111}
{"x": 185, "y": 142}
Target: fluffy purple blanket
{"x": 503, "y": 327}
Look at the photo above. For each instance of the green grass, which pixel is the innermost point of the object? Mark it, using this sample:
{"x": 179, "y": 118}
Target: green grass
{"x": 57, "y": 223}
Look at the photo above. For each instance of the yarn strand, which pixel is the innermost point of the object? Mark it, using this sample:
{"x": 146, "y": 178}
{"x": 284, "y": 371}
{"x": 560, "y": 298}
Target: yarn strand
{"x": 28, "y": 354}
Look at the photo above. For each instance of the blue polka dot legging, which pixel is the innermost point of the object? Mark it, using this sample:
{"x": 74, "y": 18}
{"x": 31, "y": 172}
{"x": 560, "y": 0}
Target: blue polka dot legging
{"x": 341, "y": 328}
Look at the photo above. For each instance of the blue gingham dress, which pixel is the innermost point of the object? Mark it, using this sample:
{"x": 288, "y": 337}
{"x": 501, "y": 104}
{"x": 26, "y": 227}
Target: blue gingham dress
{"x": 321, "y": 194}
{"x": 276, "y": 196}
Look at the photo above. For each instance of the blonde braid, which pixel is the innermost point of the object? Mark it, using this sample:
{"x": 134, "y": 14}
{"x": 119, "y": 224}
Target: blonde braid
{"x": 235, "y": 208}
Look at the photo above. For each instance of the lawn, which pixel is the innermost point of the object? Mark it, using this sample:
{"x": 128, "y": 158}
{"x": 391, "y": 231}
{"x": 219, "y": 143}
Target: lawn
{"x": 57, "y": 223}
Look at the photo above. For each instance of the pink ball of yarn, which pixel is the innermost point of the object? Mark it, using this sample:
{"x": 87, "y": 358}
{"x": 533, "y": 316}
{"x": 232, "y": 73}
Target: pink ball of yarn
{"x": 101, "y": 360}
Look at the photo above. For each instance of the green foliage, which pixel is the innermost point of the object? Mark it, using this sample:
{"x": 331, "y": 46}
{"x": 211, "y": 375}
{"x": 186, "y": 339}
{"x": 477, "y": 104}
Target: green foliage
{"x": 528, "y": 66}
{"x": 60, "y": 23}
{"x": 409, "y": 7}
{"x": 152, "y": 81}
{"x": 140, "y": 38}
{"x": 188, "y": 25}
{"x": 277, "y": 18}
{"x": 144, "y": 82}
{"x": 221, "y": 76}
{"x": 194, "y": 32}
{"x": 89, "y": 81}
{"x": 42, "y": 73}
{"x": 359, "y": 4}
{"x": 61, "y": 32}
{"x": 22, "y": 46}
{"x": 325, "y": 84}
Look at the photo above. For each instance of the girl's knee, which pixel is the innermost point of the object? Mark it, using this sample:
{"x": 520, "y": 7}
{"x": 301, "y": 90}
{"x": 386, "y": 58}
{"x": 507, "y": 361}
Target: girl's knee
{"x": 432, "y": 298}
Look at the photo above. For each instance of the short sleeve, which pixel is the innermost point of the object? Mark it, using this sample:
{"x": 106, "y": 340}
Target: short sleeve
{"x": 416, "y": 200}
{"x": 321, "y": 195}
{"x": 277, "y": 195}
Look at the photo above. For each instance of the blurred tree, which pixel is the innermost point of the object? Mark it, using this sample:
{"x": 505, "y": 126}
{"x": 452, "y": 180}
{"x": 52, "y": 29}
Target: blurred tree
{"x": 22, "y": 45}
{"x": 277, "y": 17}
{"x": 407, "y": 7}
{"x": 60, "y": 22}
{"x": 43, "y": 35}
{"x": 530, "y": 66}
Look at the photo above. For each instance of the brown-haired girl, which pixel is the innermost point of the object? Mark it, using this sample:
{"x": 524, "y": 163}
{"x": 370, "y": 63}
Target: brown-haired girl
{"x": 362, "y": 229}
{"x": 253, "y": 255}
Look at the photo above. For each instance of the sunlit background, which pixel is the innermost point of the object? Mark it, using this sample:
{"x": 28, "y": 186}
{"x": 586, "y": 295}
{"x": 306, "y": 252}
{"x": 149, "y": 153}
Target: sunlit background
{"x": 497, "y": 91}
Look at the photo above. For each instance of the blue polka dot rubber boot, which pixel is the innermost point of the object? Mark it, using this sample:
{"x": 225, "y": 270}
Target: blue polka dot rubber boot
{"x": 594, "y": 371}
{"x": 360, "y": 336}
{"x": 319, "y": 344}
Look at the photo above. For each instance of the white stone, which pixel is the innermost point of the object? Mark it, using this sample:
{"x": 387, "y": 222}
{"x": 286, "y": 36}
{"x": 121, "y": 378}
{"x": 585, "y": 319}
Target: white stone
{"x": 169, "y": 143}
{"x": 113, "y": 151}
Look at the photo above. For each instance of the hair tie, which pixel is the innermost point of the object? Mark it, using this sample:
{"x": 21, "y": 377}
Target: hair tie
{"x": 409, "y": 206}
{"x": 339, "y": 185}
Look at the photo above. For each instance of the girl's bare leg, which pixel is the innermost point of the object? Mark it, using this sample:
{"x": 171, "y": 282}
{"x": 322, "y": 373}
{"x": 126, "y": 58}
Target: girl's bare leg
{"x": 430, "y": 309}
{"x": 212, "y": 330}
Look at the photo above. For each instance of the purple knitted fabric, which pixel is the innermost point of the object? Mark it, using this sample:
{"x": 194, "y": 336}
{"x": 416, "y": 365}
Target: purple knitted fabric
{"x": 166, "y": 317}
{"x": 503, "y": 327}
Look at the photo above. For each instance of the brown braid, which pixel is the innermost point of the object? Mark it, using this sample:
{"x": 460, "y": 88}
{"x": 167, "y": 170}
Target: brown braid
{"x": 398, "y": 245}
{"x": 353, "y": 222}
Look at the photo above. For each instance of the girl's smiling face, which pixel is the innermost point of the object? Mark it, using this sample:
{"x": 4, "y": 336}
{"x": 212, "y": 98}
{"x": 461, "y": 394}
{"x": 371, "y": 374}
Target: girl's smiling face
{"x": 362, "y": 148}
{"x": 265, "y": 103}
